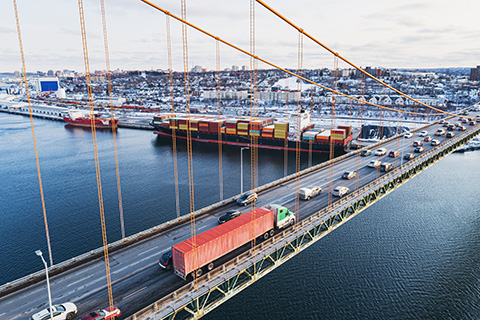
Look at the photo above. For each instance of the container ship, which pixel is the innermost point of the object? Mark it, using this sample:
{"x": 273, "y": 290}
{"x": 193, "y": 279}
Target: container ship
{"x": 82, "y": 118}
{"x": 271, "y": 134}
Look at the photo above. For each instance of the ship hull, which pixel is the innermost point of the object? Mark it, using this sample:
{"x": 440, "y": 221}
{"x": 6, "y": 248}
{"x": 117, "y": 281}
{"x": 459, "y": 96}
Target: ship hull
{"x": 82, "y": 122}
{"x": 265, "y": 143}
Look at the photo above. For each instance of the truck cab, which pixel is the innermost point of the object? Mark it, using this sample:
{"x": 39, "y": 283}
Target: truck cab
{"x": 282, "y": 217}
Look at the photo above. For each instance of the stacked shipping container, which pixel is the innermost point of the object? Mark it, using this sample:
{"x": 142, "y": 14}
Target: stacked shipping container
{"x": 281, "y": 130}
{"x": 231, "y": 126}
{"x": 243, "y": 127}
{"x": 267, "y": 132}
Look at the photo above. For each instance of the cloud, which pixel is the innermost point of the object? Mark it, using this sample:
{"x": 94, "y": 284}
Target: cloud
{"x": 7, "y": 30}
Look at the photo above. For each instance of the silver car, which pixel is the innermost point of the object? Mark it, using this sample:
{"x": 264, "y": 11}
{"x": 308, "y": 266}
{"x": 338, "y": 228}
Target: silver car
{"x": 309, "y": 192}
{"x": 340, "y": 191}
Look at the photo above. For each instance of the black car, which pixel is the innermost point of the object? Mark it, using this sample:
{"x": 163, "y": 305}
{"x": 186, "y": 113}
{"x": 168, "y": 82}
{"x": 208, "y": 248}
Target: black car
{"x": 165, "y": 260}
{"x": 366, "y": 152}
{"x": 229, "y": 215}
{"x": 409, "y": 156}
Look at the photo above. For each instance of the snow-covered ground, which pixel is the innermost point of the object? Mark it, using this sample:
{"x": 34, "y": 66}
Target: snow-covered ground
{"x": 471, "y": 146}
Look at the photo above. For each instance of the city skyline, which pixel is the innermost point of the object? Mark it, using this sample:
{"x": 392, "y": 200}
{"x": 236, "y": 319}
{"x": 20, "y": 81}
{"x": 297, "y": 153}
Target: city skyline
{"x": 423, "y": 34}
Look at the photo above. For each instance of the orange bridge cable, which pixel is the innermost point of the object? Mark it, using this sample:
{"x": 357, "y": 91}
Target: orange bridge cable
{"x": 172, "y": 103}
{"x": 285, "y": 150}
{"x": 25, "y": 81}
{"x": 299, "y": 122}
{"x": 219, "y": 111}
{"x": 332, "y": 127}
{"x": 253, "y": 101}
{"x": 311, "y": 117}
{"x": 344, "y": 59}
{"x": 189, "y": 140}
{"x": 285, "y": 70}
{"x": 114, "y": 125}
{"x": 95, "y": 152}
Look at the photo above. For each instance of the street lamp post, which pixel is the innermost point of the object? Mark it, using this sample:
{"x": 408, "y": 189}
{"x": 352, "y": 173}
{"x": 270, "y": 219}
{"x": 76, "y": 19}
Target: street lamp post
{"x": 241, "y": 168}
{"x": 39, "y": 253}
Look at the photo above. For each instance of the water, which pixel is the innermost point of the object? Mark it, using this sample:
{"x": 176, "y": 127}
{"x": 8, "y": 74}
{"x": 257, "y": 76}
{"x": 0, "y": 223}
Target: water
{"x": 413, "y": 255}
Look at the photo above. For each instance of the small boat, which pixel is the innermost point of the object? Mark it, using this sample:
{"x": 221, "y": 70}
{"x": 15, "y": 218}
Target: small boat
{"x": 82, "y": 118}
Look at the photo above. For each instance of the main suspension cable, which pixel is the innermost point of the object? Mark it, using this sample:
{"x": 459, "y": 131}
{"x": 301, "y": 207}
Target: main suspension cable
{"x": 40, "y": 184}
{"x": 345, "y": 60}
{"x": 95, "y": 152}
{"x": 285, "y": 70}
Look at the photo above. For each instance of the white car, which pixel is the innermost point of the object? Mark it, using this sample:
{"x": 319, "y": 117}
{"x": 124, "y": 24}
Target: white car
{"x": 374, "y": 164}
{"x": 423, "y": 133}
{"x": 381, "y": 152}
{"x": 408, "y": 135}
{"x": 309, "y": 192}
{"x": 65, "y": 311}
{"x": 340, "y": 191}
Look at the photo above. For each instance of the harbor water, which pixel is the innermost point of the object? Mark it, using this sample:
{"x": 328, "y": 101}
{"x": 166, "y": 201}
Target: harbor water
{"x": 413, "y": 255}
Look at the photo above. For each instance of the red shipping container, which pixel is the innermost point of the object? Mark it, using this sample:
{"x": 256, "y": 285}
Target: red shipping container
{"x": 348, "y": 130}
{"x": 339, "y": 131}
{"x": 220, "y": 240}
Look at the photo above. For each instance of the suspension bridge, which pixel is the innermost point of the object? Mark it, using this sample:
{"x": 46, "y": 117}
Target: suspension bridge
{"x": 122, "y": 273}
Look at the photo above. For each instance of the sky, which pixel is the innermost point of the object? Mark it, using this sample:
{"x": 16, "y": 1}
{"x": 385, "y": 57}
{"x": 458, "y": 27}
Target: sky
{"x": 377, "y": 33}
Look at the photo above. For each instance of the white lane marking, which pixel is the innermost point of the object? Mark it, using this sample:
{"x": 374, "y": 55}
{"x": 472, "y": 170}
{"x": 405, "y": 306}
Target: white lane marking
{"x": 72, "y": 283}
{"x": 134, "y": 293}
{"x": 202, "y": 227}
{"x": 137, "y": 262}
{"x": 147, "y": 250}
{"x": 89, "y": 283}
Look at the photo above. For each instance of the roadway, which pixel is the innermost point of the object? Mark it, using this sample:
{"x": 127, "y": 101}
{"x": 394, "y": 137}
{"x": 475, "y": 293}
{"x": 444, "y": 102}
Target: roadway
{"x": 137, "y": 279}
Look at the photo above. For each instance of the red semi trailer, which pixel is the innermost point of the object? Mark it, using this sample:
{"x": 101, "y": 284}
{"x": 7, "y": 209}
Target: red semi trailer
{"x": 191, "y": 255}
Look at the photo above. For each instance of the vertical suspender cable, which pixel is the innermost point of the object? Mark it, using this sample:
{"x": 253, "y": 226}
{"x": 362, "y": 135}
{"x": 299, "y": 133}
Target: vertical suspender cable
{"x": 189, "y": 137}
{"x": 114, "y": 125}
{"x": 285, "y": 151}
{"x": 219, "y": 111}
{"x": 172, "y": 103}
{"x": 299, "y": 129}
{"x": 310, "y": 141}
{"x": 360, "y": 116}
{"x": 332, "y": 127}
{"x": 253, "y": 102}
{"x": 24, "y": 74}
{"x": 95, "y": 152}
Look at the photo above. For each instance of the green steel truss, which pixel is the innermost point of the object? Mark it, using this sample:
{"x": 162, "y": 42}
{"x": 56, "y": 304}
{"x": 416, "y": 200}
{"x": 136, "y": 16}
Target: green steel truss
{"x": 198, "y": 298}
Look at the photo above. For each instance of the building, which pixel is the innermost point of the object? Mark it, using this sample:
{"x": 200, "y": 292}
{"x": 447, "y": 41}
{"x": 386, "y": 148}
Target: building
{"x": 197, "y": 68}
{"x": 475, "y": 74}
{"x": 46, "y": 84}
